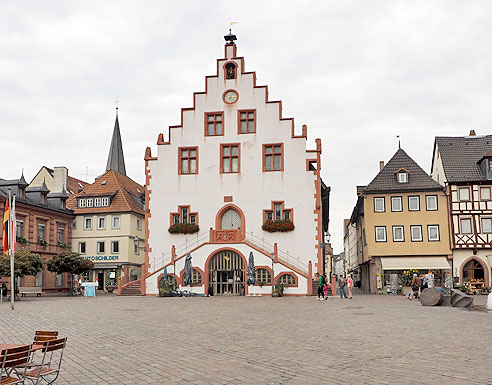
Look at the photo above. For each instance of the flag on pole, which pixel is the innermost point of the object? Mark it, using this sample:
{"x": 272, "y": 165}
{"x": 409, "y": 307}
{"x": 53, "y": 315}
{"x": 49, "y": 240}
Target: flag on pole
{"x": 5, "y": 228}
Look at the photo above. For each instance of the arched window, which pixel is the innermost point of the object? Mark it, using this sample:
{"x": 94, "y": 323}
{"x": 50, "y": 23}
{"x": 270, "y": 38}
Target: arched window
{"x": 230, "y": 71}
{"x": 473, "y": 270}
{"x": 171, "y": 280}
{"x": 287, "y": 280}
{"x": 196, "y": 277}
{"x": 263, "y": 275}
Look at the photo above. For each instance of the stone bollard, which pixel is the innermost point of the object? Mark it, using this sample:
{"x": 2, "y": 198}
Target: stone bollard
{"x": 489, "y": 302}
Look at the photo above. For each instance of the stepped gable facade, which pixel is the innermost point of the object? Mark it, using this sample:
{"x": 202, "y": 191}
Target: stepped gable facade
{"x": 234, "y": 178}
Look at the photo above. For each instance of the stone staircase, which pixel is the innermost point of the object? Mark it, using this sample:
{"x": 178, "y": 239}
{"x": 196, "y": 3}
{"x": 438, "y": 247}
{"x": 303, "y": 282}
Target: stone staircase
{"x": 315, "y": 288}
{"x": 132, "y": 289}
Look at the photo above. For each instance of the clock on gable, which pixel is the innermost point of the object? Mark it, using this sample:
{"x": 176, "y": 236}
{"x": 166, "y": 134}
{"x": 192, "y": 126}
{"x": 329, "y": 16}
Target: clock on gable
{"x": 230, "y": 96}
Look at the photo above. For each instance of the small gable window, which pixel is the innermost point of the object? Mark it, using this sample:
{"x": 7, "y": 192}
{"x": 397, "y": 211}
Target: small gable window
{"x": 230, "y": 71}
{"x": 402, "y": 177}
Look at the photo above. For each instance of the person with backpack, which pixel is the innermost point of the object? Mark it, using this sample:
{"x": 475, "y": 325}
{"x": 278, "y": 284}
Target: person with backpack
{"x": 321, "y": 284}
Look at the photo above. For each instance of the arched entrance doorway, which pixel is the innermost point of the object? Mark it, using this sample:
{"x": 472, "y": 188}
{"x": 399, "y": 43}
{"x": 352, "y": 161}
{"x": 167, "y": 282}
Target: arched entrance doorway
{"x": 226, "y": 274}
{"x": 231, "y": 220}
{"x": 473, "y": 270}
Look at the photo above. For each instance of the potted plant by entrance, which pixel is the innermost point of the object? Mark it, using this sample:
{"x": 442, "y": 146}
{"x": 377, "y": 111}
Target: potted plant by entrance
{"x": 165, "y": 289}
{"x": 278, "y": 290}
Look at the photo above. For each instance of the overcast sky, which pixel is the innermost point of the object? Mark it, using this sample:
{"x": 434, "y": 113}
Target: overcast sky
{"x": 357, "y": 73}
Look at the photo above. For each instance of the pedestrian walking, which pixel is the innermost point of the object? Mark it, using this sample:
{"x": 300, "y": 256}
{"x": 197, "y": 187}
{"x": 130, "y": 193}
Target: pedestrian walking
{"x": 416, "y": 285}
{"x": 321, "y": 283}
{"x": 325, "y": 291}
{"x": 341, "y": 286}
{"x": 350, "y": 285}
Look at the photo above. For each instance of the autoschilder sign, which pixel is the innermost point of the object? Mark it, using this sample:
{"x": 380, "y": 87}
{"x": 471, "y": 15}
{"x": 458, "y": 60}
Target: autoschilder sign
{"x": 98, "y": 258}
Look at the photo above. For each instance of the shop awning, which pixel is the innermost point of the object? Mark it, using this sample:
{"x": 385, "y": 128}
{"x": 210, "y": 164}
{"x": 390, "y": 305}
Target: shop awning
{"x": 419, "y": 263}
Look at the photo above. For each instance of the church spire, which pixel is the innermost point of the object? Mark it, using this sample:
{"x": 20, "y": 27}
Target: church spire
{"x": 116, "y": 161}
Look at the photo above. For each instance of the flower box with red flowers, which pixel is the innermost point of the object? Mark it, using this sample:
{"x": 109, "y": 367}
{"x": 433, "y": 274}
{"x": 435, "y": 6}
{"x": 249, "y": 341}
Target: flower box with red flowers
{"x": 183, "y": 228}
{"x": 282, "y": 225}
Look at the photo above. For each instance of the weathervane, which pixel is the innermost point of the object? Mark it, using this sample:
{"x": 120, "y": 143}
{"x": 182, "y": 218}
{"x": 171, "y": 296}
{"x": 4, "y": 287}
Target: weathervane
{"x": 230, "y": 38}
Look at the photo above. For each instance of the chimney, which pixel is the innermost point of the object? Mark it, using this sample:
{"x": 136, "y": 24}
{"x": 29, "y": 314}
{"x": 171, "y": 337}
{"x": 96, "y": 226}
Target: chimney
{"x": 60, "y": 179}
{"x": 381, "y": 165}
{"x": 472, "y": 133}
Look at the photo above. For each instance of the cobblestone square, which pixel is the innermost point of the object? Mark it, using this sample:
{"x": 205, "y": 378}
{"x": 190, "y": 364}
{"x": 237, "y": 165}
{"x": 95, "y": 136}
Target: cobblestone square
{"x": 246, "y": 340}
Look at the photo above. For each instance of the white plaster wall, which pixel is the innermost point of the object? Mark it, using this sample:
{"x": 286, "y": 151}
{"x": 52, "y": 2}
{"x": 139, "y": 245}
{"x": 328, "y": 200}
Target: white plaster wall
{"x": 460, "y": 256}
{"x": 437, "y": 172}
{"x": 252, "y": 189}
{"x": 200, "y": 256}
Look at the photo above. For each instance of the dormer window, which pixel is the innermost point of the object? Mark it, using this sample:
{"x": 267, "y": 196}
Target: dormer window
{"x": 490, "y": 165}
{"x": 402, "y": 177}
{"x": 230, "y": 71}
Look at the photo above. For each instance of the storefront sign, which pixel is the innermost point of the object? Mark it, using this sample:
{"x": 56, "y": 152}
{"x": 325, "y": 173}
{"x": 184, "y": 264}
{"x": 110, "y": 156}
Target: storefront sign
{"x": 100, "y": 258}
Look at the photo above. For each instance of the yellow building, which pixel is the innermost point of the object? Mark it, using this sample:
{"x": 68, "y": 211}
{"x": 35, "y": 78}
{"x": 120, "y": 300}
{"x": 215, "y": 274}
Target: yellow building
{"x": 402, "y": 223}
{"x": 109, "y": 228}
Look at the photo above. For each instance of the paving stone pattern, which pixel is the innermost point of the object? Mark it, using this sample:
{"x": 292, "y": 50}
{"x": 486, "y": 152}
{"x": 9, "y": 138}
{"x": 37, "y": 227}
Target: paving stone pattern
{"x": 243, "y": 340}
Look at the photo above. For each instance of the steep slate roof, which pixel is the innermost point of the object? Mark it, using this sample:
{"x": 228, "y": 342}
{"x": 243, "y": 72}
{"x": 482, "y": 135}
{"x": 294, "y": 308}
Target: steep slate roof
{"x": 116, "y": 161}
{"x": 460, "y": 155}
{"x": 124, "y": 191}
{"x": 386, "y": 181}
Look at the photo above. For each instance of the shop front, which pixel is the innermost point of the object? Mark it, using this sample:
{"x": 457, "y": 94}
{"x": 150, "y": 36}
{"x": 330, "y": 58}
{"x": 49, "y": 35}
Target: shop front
{"x": 107, "y": 274}
{"x": 395, "y": 273}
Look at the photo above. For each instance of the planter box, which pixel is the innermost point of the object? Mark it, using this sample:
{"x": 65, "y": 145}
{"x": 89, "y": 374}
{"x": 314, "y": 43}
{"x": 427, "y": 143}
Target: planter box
{"x": 277, "y": 294}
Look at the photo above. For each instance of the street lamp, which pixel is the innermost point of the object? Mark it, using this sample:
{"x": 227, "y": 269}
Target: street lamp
{"x": 136, "y": 242}
{"x": 273, "y": 274}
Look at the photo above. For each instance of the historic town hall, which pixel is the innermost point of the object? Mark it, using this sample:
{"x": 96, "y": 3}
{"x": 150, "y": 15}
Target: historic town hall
{"x": 234, "y": 178}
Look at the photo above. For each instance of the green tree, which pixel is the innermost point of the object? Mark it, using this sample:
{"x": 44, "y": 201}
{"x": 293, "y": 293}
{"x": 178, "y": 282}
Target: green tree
{"x": 69, "y": 262}
{"x": 25, "y": 263}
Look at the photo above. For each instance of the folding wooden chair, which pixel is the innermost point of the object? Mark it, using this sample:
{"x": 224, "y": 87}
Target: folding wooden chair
{"x": 10, "y": 359}
{"x": 40, "y": 336}
{"x": 48, "y": 370}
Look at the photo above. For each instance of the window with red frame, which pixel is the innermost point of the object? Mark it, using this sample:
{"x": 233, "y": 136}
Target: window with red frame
{"x": 287, "y": 280}
{"x": 278, "y": 212}
{"x": 247, "y": 122}
{"x": 229, "y": 154}
{"x": 214, "y": 123}
{"x": 188, "y": 158}
{"x": 272, "y": 157}
{"x": 184, "y": 216}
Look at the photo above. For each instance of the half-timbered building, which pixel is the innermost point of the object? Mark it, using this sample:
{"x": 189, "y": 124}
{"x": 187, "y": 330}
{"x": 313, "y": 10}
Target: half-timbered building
{"x": 464, "y": 166}
{"x": 234, "y": 178}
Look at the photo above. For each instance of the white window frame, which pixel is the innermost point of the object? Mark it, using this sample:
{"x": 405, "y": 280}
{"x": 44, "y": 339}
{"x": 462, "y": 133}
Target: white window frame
{"x": 139, "y": 224}
{"x": 402, "y": 239}
{"x": 97, "y": 202}
{"x": 483, "y": 188}
{"x": 414, "y": 198}
{"x": 82, "y": 203}
{"x": 85, "y": 223}
{"x": 90, "y": 202}
{"x": 482, "y": 226}
{"x": 112, "y": 247}
{"x": 403, "y": 177}
{"x": 380, "y": 199}
{"x": 103, "y": 218}
{"x": 461, "y": 225}
{"x": 98, "y": 245}
{"x": 392, "y": 205}
{"x": 383, "y": 239}
{"x": 427, "y": 205}
{"x": 467, "y": 189}
{"x": 80, "y": 248}
{"x": 112, "y": 221}
{"x": 429, "y": 227}
{"x": 105, "y": 201}
{"x": 415, "y": 239}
